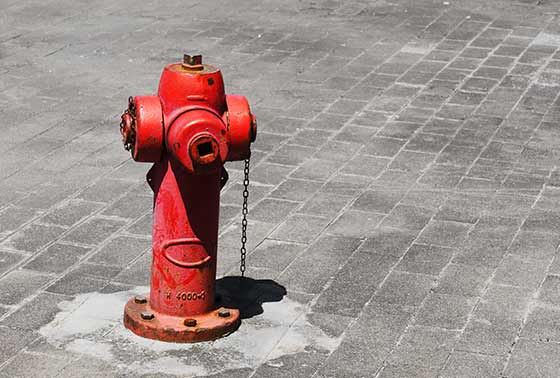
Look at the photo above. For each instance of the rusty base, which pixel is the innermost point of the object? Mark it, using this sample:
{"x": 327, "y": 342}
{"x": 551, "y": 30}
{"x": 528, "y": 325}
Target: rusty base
{"x": 205, "y": 327}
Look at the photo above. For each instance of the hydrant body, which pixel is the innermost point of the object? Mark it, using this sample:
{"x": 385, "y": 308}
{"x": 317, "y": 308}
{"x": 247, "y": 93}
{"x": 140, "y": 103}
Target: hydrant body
{"x": 188, "y": 131}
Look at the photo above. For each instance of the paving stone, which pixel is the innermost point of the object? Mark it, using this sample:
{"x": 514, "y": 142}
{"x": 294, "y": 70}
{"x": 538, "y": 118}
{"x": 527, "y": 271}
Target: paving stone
{"x": 376, "y": 332}
{"x": 355, "y": 223}
{"x": 424, "y": 346}
{"x": 75, "y": 283}
{"x": 295, "y": 190}
{"x": 271, "y": 174}
{"x": 545, "y": 221}
{"x": 405, "y": 289}
{"x": 332, "y": 325}
{"x": 326, "y": 121}
{"x": 86, "y": 365}
{"x": 323, "y": 258}
{"x": 503, "y": 303}
{"x": 542, "y": 324}
{"x": 365, "y": 165}
{"x": 33, "y": 365}
{"x": 137, "y": 274}
{"x": 48, "y": 195}
{"x": 444, "y": 233}
{"x": 129, "y": 206}
{"x": 300, "y": 228}
{"x": 272, "y": 210}
{"x": 355, "y": 134}
{"x": 533, "y": 359}
{"x": 471, "y": 365}
{"x": 463, "y": 280}
{"x": 380, "y": 201}
{"x": 427, "y": 143}
{"x": 36, "y": 313}
{"x": 407, "y": 217}
{"x": 13, "y": 217}
{"x": 483, "y": 337}
{"x": 389, "y": 241}
{"x": 425, "y": 259}
{"x": 337, "y": 151}
{"x": 97, "y": 270}
{"x": 13, "y": 340}
{"x": 70, "y": 213}
{"x": 94, "y": 231}
{"x": 492, "y": 227}
{"x": 19, "y": 284}
{"x": 520, "y": 272}
{"x": 33, "y": 237}
{"x": 399, "y": 130}
{"x": 392, "y": 178}
{"x": 380, "y": 146}
{"x": 403, "y": 370}
{"x": 445, "y": 311}
{"x": 345, "y": 185}
{"x": 549, "y": 292}
{"x": 275, "y": 255}
{"x": 8, "y": 260}
{"x": 56, "y": 258}
{"x": 120, "y": 251}
{"x": 508, "y": 205}
{"x": 298, "y": 364}
{"x": 325, "y": 204}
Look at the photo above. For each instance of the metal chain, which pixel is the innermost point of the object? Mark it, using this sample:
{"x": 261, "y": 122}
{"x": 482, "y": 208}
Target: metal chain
{"x": 128, "y": 125}
{"x": 244, "y": 221}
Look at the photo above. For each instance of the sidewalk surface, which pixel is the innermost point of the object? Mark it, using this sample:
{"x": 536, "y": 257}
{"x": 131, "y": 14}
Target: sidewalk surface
{"x": 405, "y": 186}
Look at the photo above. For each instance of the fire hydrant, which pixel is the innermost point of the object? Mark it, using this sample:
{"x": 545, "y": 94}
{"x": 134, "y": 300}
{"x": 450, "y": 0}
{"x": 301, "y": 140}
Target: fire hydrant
{"x": 188, "y": 131}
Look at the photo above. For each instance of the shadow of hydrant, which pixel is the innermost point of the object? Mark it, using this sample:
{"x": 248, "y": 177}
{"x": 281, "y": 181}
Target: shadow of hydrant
{"x": 247, "y": 294}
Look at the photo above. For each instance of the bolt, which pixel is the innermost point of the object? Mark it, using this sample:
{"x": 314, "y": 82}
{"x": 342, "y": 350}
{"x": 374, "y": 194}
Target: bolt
{"x": 224, "y": 313}
{"x": 140, "y": 299}
{"x": 190, "y": 322}
{"x": 192, "y": 60}
{"x": 147, "y": 315}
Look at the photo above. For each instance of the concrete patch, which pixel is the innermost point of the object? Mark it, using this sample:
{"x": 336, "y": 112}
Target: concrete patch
{"x": 91, "y": 324}
{"x": 547, "y": 39}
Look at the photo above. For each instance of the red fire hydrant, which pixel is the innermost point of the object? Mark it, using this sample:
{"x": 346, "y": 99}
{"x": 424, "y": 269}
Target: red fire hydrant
{"x": 188, "y": 130}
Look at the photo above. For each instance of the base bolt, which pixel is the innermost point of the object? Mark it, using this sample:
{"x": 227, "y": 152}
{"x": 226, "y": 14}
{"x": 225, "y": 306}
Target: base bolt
{"x": 190, "y": 322}
{"x": 140, "y": 299}
{"x": 147, "y": 315}
{"x": 223, "y": 313}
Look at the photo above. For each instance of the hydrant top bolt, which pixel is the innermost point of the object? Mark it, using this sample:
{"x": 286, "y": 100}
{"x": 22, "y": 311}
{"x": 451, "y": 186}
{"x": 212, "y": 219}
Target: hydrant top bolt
{"x": 190, "y": 322}
{"x": 192, "y": 62}
{"x": 147, "y": 315}
{"x": 140, "y": 299}
{"x": 223, "y": 313}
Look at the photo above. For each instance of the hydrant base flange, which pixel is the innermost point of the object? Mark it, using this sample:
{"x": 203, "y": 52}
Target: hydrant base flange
{"x": 141, "y": 319}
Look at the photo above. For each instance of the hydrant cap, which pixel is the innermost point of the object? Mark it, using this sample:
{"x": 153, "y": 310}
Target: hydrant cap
{"x": 204, "y": 149}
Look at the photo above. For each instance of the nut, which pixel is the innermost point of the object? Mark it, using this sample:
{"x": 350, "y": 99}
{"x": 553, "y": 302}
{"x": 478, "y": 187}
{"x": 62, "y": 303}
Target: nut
{"x": 140, "y": 299}
{"x": 147, "y": 315}
{"x": 190, "y": 322}
{"x": 224, "y": 313}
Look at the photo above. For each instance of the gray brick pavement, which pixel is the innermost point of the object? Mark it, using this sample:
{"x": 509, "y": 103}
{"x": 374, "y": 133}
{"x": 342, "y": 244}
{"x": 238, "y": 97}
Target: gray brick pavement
{"x": 405, "y": 184}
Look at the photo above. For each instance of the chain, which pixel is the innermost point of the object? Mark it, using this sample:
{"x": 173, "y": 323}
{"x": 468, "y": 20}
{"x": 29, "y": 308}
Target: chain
{"x": 244, "y": 221}
{"x": 128, "y": 125}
